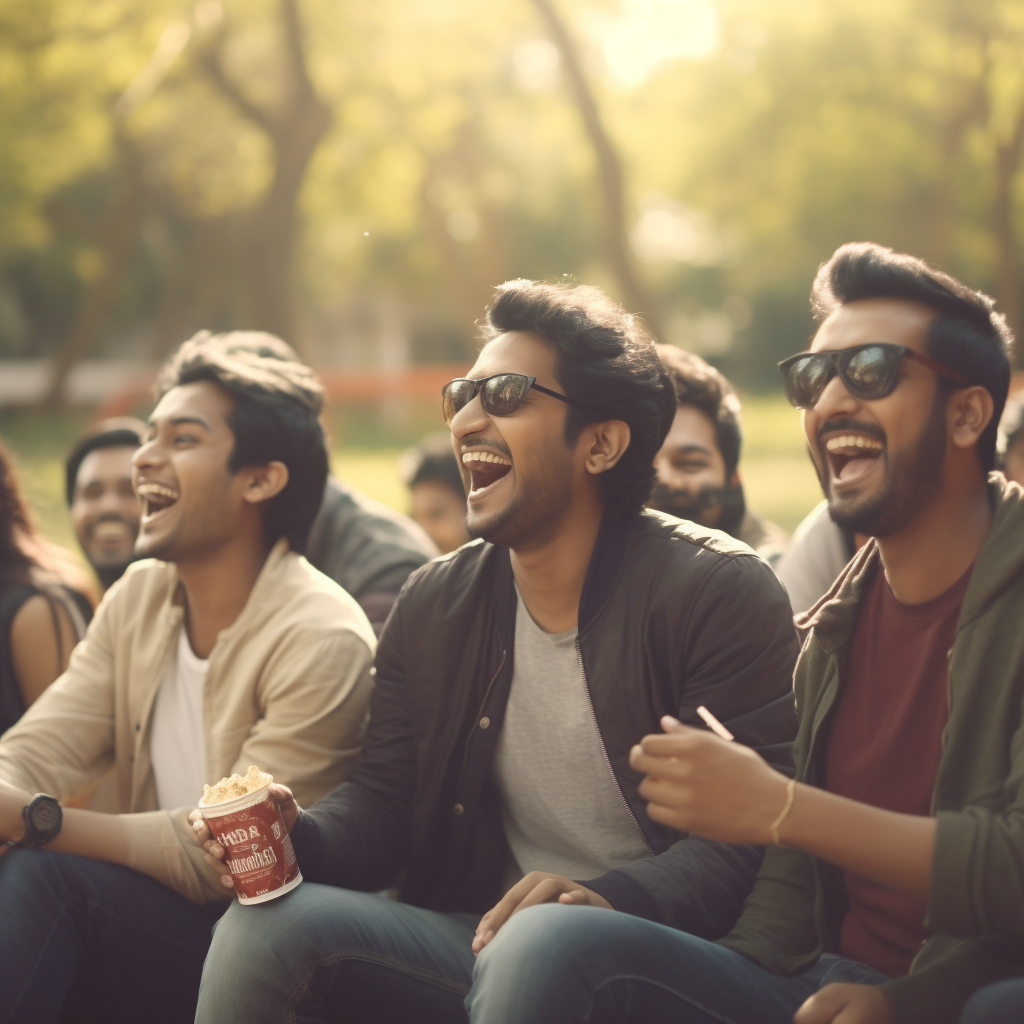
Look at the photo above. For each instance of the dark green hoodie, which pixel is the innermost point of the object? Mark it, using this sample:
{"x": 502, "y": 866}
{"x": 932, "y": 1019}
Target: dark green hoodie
{"x": 976, "y": 901}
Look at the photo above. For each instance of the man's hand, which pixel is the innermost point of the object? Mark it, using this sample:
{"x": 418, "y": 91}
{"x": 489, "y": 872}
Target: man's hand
{"x": 846, "y": 1004}
{"x": 214, "y": 853}
{"x": 536, "y": 887}
{"x": 697, "y": 782}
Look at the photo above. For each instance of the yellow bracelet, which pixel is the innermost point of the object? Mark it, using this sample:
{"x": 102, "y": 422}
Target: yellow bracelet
{"x": 773, "y": 831}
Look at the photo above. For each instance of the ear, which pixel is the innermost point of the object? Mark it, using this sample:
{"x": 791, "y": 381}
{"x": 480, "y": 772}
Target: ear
{"x": 264, "y": 482}
{"x": 970, "y": 412}
{"x": 606, "y": 444}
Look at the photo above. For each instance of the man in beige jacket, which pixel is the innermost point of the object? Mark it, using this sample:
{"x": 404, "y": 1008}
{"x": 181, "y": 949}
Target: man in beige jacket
{"x": 224, "y": 648}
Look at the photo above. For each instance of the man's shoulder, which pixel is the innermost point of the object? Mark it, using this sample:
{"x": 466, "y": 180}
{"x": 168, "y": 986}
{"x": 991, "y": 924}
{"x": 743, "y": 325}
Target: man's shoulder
{"x": 660, "y": 535}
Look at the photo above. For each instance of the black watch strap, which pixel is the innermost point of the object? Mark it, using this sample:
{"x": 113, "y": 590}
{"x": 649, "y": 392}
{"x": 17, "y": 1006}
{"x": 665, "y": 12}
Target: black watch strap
{"x": 43, "y": 817}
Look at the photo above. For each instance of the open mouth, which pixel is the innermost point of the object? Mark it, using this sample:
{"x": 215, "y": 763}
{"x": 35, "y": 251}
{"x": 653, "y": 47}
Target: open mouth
{"x": 112, "y": 533}
{"x": 156, "y": 498}
{"x": 852, "y": 456}
{"x": 485, "y": 468}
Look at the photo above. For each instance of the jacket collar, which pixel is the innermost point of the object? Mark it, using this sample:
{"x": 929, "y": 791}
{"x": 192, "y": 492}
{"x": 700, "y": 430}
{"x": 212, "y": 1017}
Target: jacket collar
{"x": 605, "y": 563}
{"x": 1000, "y": 562}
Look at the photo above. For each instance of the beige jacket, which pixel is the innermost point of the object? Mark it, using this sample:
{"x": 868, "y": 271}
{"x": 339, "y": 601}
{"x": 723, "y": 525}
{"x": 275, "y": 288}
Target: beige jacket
{"x": 287, "y": 689}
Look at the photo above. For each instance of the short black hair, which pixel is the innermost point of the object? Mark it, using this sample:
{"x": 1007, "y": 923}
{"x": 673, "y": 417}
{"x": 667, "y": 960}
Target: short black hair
{"x": 119, "y": 432}
{"x": 699, "y": 384}
{"x": 275, "y": 419}
{"x": 606, "y": 363}
{"x": 433, "y": 460}
{"x": 967, "y": 335}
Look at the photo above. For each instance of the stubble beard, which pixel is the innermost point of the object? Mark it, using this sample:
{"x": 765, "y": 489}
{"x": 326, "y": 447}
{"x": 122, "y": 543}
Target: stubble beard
{"x": 535, "y": 507}
{"x": 912, "y": 479}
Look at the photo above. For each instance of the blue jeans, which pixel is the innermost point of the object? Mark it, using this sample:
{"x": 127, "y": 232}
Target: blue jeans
{"x": 1001, "y": 1003}
{"x": 321, "y": 953}
{"x": 557, "y": 964}
{"x": 85, "y": 941}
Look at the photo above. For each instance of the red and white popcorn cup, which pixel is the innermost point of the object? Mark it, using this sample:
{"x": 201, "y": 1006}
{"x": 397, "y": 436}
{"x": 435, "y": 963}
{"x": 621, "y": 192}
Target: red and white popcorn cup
{"x": 257, "y": 848}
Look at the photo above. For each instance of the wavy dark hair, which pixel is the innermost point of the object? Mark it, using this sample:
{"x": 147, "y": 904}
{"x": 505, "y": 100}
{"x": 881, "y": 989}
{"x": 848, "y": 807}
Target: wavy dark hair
{"x": 607, "y": 364}
{"x": 26, "y": 556}
{"x": 275, "y": 419}
{"x": 699, "y": 384}
{"x": 967, "y": 335}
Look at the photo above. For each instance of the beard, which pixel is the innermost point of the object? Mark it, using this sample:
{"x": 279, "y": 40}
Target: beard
{"x": 912, "y": 479}
{"x": 532, "y": 513}
{"x": 721, "y": 508}
{"x": 108, "y": 575}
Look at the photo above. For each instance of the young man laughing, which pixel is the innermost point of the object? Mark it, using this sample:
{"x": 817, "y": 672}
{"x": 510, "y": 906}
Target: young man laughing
{"x": 512, "y": 678}
{"x": 893, "y": 886}
{"x": 222, "y": 648}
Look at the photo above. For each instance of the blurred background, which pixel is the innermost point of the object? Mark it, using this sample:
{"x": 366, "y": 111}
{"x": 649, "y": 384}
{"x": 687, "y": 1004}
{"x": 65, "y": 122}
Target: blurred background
{"x": 357, "y": 176}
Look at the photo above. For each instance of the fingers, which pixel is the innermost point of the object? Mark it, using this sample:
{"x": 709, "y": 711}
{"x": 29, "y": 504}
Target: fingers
{"x": 823, "y": 1006}
{"x": 200, "y": 830}
{"x": 544, "y": 892}
{"x": 280, "y": 794}
{"x": 500, "y": 913}
{"x": 575, "y": 897}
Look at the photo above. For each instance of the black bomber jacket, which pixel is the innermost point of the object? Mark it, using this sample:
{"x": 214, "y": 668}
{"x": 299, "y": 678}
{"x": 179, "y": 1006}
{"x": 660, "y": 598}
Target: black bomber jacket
{"x": 672, "y": 616}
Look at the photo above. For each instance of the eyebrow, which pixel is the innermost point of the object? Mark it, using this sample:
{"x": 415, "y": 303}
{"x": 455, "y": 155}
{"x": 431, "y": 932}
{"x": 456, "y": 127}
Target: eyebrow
{"x": 692, "y": 449}
{"x": 178, "y": 420}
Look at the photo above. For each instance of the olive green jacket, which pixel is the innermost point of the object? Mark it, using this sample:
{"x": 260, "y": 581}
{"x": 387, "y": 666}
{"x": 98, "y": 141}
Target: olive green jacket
{"x": 976, "y": 900}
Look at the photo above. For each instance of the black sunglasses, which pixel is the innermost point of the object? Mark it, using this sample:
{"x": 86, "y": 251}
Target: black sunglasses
{"x": 500, "y": 395}
{"x": 867, "y": 371}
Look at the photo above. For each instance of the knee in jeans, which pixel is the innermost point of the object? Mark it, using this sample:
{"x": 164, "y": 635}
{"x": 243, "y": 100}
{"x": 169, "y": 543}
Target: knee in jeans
{"x": 23, "y": 872}
{"x": 542, "y": 938}
{"x": 1001, "y": 1003}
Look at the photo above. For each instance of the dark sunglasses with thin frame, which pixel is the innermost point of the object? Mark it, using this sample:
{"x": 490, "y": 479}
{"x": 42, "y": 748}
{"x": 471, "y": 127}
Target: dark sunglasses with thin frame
{"x": 500, "y": 395}
{"x": 867, "y": 371}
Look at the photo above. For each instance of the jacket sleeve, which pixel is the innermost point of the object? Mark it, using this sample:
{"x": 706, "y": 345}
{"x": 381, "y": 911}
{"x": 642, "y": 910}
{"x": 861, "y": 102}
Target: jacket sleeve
{"x": 936, "y": 994}
{"x": 740, "y": 650}
{"x": 358, "y": 836}
{"x": 64, "y": 742}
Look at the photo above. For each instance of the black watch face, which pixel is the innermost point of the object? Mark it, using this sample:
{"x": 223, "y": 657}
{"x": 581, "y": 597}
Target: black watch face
{"x": 44, "y": 815}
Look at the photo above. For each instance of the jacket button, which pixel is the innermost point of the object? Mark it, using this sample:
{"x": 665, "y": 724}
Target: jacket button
{"x": 138, "y": 726}
{"x": 484, "y": 722}
{"x": 458, "y": 808}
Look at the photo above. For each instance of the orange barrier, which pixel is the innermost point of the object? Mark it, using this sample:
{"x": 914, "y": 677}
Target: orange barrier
{"x": 355, "y": 385}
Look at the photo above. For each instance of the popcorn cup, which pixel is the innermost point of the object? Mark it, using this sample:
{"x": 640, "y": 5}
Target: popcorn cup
{"x": 257, "y": 847}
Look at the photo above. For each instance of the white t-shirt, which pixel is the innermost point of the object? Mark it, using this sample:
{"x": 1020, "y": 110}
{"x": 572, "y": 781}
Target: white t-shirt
{"x": 177, "y": 745}
{"x": 560, "y": 806}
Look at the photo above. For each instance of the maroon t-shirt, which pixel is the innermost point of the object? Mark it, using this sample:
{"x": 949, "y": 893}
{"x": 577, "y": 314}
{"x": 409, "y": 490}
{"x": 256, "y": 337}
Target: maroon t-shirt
{"x": 884, "y": 750}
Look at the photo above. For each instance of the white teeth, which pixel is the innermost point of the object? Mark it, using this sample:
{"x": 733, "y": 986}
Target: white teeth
{"x": 157, "y": 490}
{"x": 834, "y": 444}
{"x": 468, "y": 457}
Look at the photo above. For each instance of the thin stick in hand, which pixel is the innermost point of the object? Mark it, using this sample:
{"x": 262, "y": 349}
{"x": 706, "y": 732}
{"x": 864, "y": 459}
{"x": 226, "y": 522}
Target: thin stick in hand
{"x": 714, "y": 724}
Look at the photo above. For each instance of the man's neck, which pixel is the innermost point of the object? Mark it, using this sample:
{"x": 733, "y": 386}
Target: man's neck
{"x": 927, "y": 557}
{"x": 217, "y": 587}
{"x": 550, "y": 575}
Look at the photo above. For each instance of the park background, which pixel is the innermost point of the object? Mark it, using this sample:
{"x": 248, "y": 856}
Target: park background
{"x": 356, "y": 177}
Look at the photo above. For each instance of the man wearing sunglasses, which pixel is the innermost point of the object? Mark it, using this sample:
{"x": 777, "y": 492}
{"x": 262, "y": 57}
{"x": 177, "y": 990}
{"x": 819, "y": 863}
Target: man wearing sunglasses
{"x": 893, "y": 884}
{"x": 514, "y": 676}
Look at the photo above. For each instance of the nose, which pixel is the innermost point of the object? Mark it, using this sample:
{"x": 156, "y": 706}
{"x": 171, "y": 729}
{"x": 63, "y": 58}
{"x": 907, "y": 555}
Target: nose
{"x": 470, "y": 419}
{"x": 835, "y": 400}
{"x": 147, "y": 455}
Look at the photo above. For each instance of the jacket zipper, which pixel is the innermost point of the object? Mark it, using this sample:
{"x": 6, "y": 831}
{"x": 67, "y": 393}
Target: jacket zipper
{"x": 476, "y": 721}
{"x": 604, "y": 750}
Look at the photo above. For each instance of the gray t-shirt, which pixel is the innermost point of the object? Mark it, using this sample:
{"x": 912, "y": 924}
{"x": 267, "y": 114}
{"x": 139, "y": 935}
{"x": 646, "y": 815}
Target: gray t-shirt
{"x": 560, "y": 806}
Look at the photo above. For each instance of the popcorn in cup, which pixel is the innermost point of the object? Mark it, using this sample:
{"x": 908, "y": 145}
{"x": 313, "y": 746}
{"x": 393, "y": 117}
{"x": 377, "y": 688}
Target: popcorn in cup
{"x": 249, "y": 825}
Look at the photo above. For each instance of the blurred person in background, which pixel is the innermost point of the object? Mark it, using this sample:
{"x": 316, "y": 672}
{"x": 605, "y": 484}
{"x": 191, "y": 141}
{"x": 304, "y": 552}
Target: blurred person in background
{"x": 44, "y": 603}
{"x": 222, "y": 647}
{"x": 1011, "y": 439}
{"x": 98, "y": 485}
{"x": 817, "y": 554}
{"x": 512, "y": 678}
{"x": 892, "y": 886}
{"x": 364, "y": 546}
{"x": 436, "y": 492}
{"x": 698, "y": 465}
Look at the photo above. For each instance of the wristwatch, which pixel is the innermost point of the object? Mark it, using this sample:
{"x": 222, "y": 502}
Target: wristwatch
{"x": 43, "y": 817}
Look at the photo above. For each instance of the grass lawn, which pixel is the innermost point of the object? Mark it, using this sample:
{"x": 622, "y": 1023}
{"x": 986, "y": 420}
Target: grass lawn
{"x": 777, "y": 474}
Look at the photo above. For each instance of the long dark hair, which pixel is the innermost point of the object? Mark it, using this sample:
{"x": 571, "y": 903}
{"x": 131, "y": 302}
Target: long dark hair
{"x": 26, "y": 556}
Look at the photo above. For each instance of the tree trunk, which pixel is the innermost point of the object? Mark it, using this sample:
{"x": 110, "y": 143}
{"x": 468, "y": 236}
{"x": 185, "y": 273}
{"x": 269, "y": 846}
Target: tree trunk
{"x": 1007, "y": 161}
{"x": 121, "y": 231}
{"x": 635, "y": 296}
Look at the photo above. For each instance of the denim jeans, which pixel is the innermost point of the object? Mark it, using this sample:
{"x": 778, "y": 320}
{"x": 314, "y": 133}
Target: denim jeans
{"x": 85, "y": 941}
{"x": 557, "y": 964}
{"x": 321, "y": 953}
{"x": 1001, "y": 1003}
